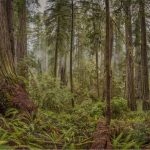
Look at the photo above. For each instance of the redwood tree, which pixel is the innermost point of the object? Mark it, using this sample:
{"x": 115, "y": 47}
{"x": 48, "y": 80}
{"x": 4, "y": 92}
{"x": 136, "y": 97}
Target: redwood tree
{"x": 138, "y": 80}
{"x": 56, "y": 48}
{"x": 71, "y": 47}
{"x": 10, "y": 15}
{"x": 144, "y": 60}
{"x": 22, "y": 36}
{"x": 6, "y": 62}
{"x": 107, "y": 63}
{"x": 129, "y": 57}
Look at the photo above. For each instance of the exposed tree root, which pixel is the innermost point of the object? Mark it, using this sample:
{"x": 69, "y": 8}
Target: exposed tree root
{"x": 102, "y": 137}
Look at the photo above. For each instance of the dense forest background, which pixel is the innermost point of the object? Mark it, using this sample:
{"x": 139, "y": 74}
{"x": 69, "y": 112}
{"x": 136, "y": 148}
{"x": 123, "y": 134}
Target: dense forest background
{"x": 74, "y": 74}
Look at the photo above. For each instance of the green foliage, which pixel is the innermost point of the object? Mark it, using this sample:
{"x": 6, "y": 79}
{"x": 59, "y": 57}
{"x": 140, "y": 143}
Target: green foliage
{"x": 118, "y": 87}
{"x": 119, "y": 106}
{"x": 48, "y": 94}
{"x": 98, "y": 109}
{"x": 131, "y": 131}
{"x": 72, "y": 128}
{"x": 5, "y": 102}
{"x": 123, "y": 141}
{"x": 47, "y": 130}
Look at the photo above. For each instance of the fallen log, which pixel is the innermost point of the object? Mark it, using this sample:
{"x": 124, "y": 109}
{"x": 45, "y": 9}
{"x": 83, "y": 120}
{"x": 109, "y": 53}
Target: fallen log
{"x": 101, "y": 137}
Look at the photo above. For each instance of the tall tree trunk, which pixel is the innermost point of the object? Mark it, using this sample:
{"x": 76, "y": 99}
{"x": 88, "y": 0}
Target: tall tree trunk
{"x": 6, "y": 62}
{"x": 63, "y": 71}
{"x": 97, "y": 73}
{"x": 22, "y": 37}
{"x": 111, "y": 38}
{"x": 56, "y": 49}
{"x": 96, "y": 47}
{"x": 138, "y": 81}
{"x": 144, "y": 60}
{"x": 8, "y": 87}
{"x": 9, "y": 10}
{"x": 118, "y": 49}
{"x": 107, "y": 64}
{"x": 129, "y": 58}
{"x": 71, "y": 47}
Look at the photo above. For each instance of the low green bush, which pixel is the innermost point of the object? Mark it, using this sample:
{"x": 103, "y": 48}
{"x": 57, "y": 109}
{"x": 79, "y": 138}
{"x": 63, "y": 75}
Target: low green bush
{"x": 125, "y": 141}
{"x": 119, "y": 107}
{"x": 48, "y": 94}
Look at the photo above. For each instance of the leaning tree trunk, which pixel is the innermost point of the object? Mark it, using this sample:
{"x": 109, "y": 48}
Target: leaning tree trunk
{"x": 22, "y": 38}
{"x": 144, "y": 60}
{"x": 129, "y": 58}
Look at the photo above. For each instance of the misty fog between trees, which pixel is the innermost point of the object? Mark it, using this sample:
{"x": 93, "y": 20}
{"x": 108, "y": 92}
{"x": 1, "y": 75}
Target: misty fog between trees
{"x": 74, "y": 74}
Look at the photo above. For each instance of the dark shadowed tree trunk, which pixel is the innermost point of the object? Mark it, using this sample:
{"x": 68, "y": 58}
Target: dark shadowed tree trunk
{"x": 56, "y": 49}
{"x": 118, "y": 48}
{"x": 9, "y": 10}
{"x": 18, "y": 97}
{"x": 63, "y": 68}
{"x": 144, "y": 60}
{"x": 97, "y": 73}
{"x": 71, "y": 48}
{"x": 111, "y": 38}
{"x": 107, "y": 63}
{"x": 22, "y": 37}
{"x": 129, "y": 58}
{"x": 138, "y": 81}
{"x": 96, "y": 47}
{"x": 6, "y": 62}
{"x": 102, "y": 134}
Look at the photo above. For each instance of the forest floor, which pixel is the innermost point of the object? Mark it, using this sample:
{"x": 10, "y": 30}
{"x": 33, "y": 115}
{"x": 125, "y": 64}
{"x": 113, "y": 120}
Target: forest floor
{"x": 56, "y": 125}
{"x": 74, "y": 128}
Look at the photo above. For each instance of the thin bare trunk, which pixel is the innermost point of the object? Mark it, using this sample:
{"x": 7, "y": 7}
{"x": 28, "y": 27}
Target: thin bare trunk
{"x": 107, "y": 64}
{"x": 56, "y": 50}
{"x": 71, "y": 48}
{"x": 96, "y": 47}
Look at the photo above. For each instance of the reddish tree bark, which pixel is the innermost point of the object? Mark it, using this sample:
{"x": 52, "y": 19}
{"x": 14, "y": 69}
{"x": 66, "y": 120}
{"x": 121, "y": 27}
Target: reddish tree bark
{"x": 129, "y": 58}
{"x": 144, "y": 59}
{"x": 107, "y": 63}
{"x": 10, "y": 15}
{"x": 22, "y": 37}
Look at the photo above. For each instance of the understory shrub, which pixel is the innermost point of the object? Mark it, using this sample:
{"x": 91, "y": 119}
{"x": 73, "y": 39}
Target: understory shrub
{"x": 48, "y": 94}
{"x": 119, "y": 107}
{"x": 48, "y": 130}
